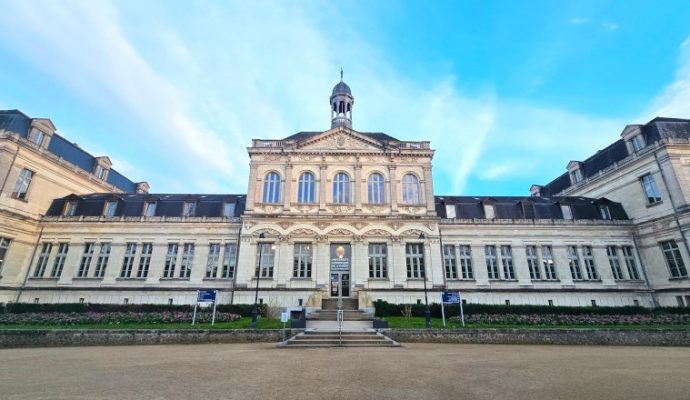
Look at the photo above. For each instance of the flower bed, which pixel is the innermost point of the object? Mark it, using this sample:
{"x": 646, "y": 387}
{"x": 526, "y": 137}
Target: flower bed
{"x": 581, "y": 319}
{"x": 112, "y": 318}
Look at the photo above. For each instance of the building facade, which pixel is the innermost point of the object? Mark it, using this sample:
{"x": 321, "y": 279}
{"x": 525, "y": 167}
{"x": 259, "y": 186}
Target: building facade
{"x": 346, "y": 213}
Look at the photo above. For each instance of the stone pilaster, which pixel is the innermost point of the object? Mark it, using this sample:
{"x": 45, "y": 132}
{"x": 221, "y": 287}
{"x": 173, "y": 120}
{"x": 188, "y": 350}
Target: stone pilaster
{"x": 358, "y": 187}
{"x": 72, "y": 261}
{"x": 251, "y": 188}
{"x": 481, "y": 275}
{"x": 112, "y": 270}
{"x": 520, "y": 265}
{"x": 429, "y": 191}
{"x": 601, "y": 263}
{"x": 287, "y": 191}
{"x": 158, "y": 253}
{"x": 560, "y": 259}
{"x": 393, "y": 188}
{"x": 323, "y": 187}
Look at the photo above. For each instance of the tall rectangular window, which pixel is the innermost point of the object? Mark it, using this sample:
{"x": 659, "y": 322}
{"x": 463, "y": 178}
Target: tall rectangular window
{"x": 70, "y": 208}
{"x": 60, "y": 258}
{"x": 4, "y": 245}
{"x": 378, "y": 268}
{"x": 187, "y": 260}
{"x": 466, "y": 261}
{"x": 86, "y": 257}
{"x": 450, "y": 211}
{"x": 43, "y": 260}
{"x": 567, "y": 212}
{"x": 630, "y": 263}
{"x": 110, "y": 209}
{"x": 650, "y": 188}
{"x": 548, "y": 263}
{"x": 507, "y": 259}
{"x": 605, "y": 212}
{"x": 145, "y": 260}
{"x": 533, "y": 262}
{"x": 491, "y": 262}
{"x": 102, "y": 260}
{"x": 170, "y": 260}
{"x": 574, "y": 263}
{"x": 128, "y": 261}
{"x": 637, "y": 142}
{"x": 414, "y": 260}
{"x": 229, "y": 259}
{"x": 615, "y": 263}
{"x": 302, "y": 260}
{"x": 21, "y": 187}
{"x": 150, "y": 209}
{"x": 449, "y": 262}
{"x": 588, "y": 258}
{"x": 213, "y": 259}
{"x": 266, "y": 259}
{"x": 674, "y": 259}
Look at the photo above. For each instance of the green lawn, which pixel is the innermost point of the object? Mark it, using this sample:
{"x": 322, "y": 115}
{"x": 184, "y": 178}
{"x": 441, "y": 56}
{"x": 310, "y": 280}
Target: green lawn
{"x": 244, "y": 323}
{"x": 437, "y": 323}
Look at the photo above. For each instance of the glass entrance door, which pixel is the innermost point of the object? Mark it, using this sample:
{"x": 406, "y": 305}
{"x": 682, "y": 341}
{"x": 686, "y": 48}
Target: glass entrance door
{"x": 340, "y": 284}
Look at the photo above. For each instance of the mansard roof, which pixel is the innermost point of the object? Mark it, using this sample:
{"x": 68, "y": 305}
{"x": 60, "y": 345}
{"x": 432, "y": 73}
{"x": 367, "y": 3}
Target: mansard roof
{"x": 132, "y": 205}
{"x": 380, "y": 136}
{"x": 19, "y": 123}
{"x": 516, "y": 207}
{"x": 653, "y": 131}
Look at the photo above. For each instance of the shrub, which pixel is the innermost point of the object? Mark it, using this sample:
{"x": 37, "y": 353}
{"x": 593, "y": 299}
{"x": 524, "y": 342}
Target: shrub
{"x": 244, "y": 310}
{"x": 112, "y": 318}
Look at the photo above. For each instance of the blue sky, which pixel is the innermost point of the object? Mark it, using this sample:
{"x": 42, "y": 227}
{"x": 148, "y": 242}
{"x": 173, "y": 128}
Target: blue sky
{"x": 507, "y": 92}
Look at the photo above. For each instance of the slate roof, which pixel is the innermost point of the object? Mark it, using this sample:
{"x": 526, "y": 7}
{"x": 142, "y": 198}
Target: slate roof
{"x": 18, "y": 122}
{"x": 380, "y": 136}
{"x": 516, "y": 207}
{"x": 341, "y": 87}
{"x": 132, "y": 205}
{"x": 653, "y": 131}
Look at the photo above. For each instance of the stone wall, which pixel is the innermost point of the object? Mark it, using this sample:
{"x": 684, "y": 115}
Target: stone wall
{"x": 612, "y": 337}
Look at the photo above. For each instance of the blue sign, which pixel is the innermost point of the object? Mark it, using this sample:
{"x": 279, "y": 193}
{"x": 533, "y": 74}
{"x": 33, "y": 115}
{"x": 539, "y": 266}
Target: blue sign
{"x": 450, "y": 297}
{"x": 206, "y": 296}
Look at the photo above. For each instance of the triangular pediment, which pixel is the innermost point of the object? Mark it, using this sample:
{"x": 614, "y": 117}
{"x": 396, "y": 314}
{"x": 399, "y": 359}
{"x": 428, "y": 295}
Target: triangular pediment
{"x": 340, "y": 138}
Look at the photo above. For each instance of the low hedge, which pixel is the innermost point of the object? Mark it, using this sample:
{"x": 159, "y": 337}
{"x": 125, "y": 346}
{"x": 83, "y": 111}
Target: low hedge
{"x": 385, "y": 309}
{"x": 244, "y": 310}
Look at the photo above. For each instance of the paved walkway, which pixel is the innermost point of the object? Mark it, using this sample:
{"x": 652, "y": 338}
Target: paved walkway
{"x": 416, "y": 371}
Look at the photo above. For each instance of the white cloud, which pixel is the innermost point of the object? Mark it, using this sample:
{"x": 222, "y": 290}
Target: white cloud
{"x": 611, "y": 26}
{"x": 579, "y": 20}
{"x": 674, "y": 99}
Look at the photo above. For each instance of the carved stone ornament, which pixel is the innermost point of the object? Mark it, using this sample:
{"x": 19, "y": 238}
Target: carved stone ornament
{"x": 322, "y": 225}
{"x": 411, "y": 232}
{"x": 285, "y": 224}
{"x": 341, "y": 208}
{"x": 340, "y": 141}
{"x": 377, "y": 232}
{"x": 340, "y": 232}
{"x": 303, "y": 232}
{"x": 267, "y": 232}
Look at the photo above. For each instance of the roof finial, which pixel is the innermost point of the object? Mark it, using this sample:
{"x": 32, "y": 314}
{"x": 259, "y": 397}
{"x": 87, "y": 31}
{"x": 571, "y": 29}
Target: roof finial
{"x": 341, "y": 74}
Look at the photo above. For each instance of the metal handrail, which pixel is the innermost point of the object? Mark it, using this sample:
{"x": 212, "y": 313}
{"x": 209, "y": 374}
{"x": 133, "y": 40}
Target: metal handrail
{"x": 340, "y": 318}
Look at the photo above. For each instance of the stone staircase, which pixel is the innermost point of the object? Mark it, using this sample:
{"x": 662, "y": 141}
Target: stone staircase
{"x": 323, "y": 331}
{"x": 317, "y": 338}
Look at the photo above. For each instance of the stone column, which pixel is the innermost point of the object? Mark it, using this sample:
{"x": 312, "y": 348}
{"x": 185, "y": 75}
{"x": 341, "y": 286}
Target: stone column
{"x": 481, "y": 275}
{"x": 358, "y": 187}
{"x": 323, "y": 187}
{"x": 601, "y": 263}
{"x": 359, "y": 270}
{"x": 158, "y": 253}
{"x": 251, "y": 188}
{"x": 287, "y": 191}
{"x": 429, "y": 191}
{"x": 322, "y": 267}
{"x": 393, "y": 188}
{"x": 112, "y": 270}
{"x": 520, "y": 265}
{"x": 432, "y": 251}
{"x": 283, "y": 263}
{"x": 397, "y": 268}
{"x": 199, "y": 263}
{"x": 560, "y": 259}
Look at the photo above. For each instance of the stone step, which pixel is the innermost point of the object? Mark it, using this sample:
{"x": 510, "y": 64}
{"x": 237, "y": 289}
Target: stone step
{"x": 339, "y": 339}
{"x": 332, "y": 304}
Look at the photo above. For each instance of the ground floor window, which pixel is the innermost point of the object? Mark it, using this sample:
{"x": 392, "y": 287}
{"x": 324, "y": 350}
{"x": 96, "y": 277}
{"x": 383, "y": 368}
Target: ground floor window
{"x": 213, "y": 259}
{"x": 449, "y": 262}
{"x": 491, "y": 262}
{"x": 507, "y": 260}
{"x": 60, "y": 258}
{"x": 85, "y": 263}
{"x": 615, "y": 263}
{"x": 170, "y": 260}
{"x": 378, "y": 268}
{"x": 302, "y": 260}
{"x": 145, "y": 260}
{"x": 229, "y": 260}
{"x": 533, "y": 262}
{"x": 674, "y": 259}
{"x": 574, "y": 263}
{"x": 43, "y": 260}
{"x": 466, "y": 261}
{"x": 588, "y": 257}
{"x": 128, "y": 261}
{"x": 265, "y": 260}
{"x": 102, "y": 261}
{"x": 414, "y": 256}
{"x": 187, "y": 260}
{"x": 548, "y": 263}
{"x": 4, "y": 245}
{"x": 630, "y": 263}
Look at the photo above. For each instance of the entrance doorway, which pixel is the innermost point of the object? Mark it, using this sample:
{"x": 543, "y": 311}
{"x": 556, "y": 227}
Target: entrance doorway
{"x": 341, "y": 254}
{"x": 340, "y": 284}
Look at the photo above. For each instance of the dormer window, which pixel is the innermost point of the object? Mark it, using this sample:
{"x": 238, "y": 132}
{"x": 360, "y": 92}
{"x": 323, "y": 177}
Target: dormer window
{"x": 189, "y": 209}
{"x": 101, "y": 167}
{"x": 450, "y": 211}
{"x": 149, "y": 209}
{"x": 36, "y": 137}
{"x": 110, "y": 209}
{"x": 637, "y": 143}
{"x": 576, "y": 172}
{"x": 577, "y": 176}
{"x": 489, "y": 212}
{"x": 228, "y": 210}
{"x": 567, "y": 212}
{"x": 605, "y": 212}
{"x": 70, "y": 209}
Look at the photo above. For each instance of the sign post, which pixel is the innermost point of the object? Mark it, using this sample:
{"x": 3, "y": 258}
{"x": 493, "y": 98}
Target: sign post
{"x": 205, "y": 296}
{"x": 451, "y": 298}
{"x": 284, "y": 316}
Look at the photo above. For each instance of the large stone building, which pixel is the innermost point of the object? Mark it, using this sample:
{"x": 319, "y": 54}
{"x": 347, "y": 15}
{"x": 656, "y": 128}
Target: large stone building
{"x": 345, "y": 213}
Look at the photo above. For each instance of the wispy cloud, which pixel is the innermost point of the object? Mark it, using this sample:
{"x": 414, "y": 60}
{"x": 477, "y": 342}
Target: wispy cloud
{"x": 579, "y": 20}
{"x": 674, "y": 99}
{"x": 611, "y": 26}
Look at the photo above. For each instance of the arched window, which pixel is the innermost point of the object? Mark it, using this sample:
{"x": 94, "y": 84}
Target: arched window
{"x": 410, "y": 189}
{"x": 272, "y": 188}
{"x": 376, "y": 189}
{"x": 341, "y": 188}
{"x": 305, "y": 188}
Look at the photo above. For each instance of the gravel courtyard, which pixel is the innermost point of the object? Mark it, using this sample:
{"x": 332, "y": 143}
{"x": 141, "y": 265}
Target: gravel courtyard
{"x": 415, "y": 371}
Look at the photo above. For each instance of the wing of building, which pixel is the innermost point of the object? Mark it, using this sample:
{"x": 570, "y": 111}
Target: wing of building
{"x": 345, "y": 213}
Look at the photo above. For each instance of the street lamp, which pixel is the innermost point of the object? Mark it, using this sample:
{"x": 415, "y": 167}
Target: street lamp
{"x": 255, "y": 310}
{"x": 427, "y": 312}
